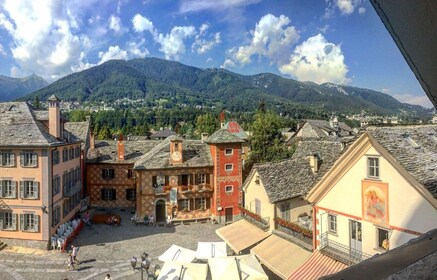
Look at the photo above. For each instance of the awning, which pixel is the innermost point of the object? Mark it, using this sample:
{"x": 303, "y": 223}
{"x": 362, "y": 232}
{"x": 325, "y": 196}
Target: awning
{"x": 241, "y": 235}
{"x": 207, "y": 250}
{"x": 244, "y": 267}
{"x": 178, "y": 254}
{"x": 280, "y": 256}
{"x": 183, "y": 271}
{"x": 316, "y": 266}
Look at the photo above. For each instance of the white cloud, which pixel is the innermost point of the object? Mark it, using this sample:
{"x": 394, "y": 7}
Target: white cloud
{"x": 346, "y": 7}
{"x": 136, "y": 49}
{"x": 203, "y": 28}
{"x": 228, "y": 64}
{"x": 414, "y": 99}
{"x": 113, "y": 52}
{"x": 200, "y": 5}
{"x": 172, "y": 44}
{"x": 203, "y": 45}
{"x": 2, "y": 50}
{"x": 385, "y": 90}
{"x": 272, "y": 38}
{"x": 141, "y": 24}
{"x": 317, "y": 60}
{"x": 324, "y": 29}
{"x": 361, "y": 10}
{"x": 115, "y": 23}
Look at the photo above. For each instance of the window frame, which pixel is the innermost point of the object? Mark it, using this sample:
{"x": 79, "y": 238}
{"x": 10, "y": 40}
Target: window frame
{"x": 29, "y": 222}
{"x": 8, "y": 156}
{"x": 28, "y": 187}
{"x": 11, "y": 220}
{"x": 373, "y": 171}
{"x": 229, "y": 164}
{"x": 229, "y": 154}
{"x": 108, "y": 173}
{"x": 332, "y": 220}
{"x": 231, "y": 191}
{"x": 201, "y": 178}
{"x": 29, "y": 159}
{"x": 12, "y": 186}
{"x": 379, "y": 242}
{"x": 56, "y": 157}
{"x": 108, "y": 194}
{"x": 285, "y": 211}
{"x": 184, "y": 203}
{"x": 56, "y": 215}
{"x": 56, "y": 185}
{"x": 131, "y": 194}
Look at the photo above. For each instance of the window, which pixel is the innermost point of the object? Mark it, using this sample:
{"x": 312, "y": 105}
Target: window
{"x": 382, "y": 239}
{"x": 229, "y": 189}
{"x": 55, "y": 157}
{"x": 201, "y": 178}
{"x": 56, "y": 215}
{"x": 64, "y": 155}
{"x": 184, "y": 205}
{"x": 77, "y": 152}
{"x": 229, "y": 152}
{"x": 229, "y": 167}
{"x": 130, "y": 173}
{"x": 8, "y": 189}
{"x": 159, "y": 181}
{"x": 8, "y": 221}
{"x": 28, "y": 159}
{"x": 332, "y": 223}
{"x": 7, "y": 158}
{"x": 29, "y": 222}
{"x": 201, "y": 203}
{"x": 108, "y": 194}
{"x": 71, "y": 156}
{"x": 29, "y": 189}
{"x": 130, "y": 194}
{"x": 285, "y": 211}
{"x": 373, "y": 167}
{"x": 66, "y": 207}
{"x": 258, "y": 206}
{"x": 56, "y": 184}
{"x": 108, "y": 173}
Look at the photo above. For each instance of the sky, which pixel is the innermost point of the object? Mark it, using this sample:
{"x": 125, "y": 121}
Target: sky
{"x": 338, "y": 41}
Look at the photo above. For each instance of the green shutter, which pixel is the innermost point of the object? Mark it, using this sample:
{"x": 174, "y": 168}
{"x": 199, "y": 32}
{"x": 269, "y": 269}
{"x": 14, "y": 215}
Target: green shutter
{"x": 1, "y": 158}
{"x": 1, "y": 220}
{"x": 14, "y": 221}
{"x": 22, "y": 222}
{"x": 22, "y": 189}
{"x": 35, "y": 159}
{"x": 14, "y": 189}
{"x": 36, "y": 189}
{"x": 1, "y": 189}
{"x": 36, "y": 223}
{"x": 12, "y": 159}
{"x": 22, "y": 159}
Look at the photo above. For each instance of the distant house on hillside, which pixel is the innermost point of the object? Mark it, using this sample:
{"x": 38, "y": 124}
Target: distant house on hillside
{"x": 331, "y": 130}
{"x": 162, "y": 134}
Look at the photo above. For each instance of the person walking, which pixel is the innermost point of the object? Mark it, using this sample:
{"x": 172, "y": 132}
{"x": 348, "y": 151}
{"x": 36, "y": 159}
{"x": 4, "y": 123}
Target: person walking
{"x": 70, "y": 262}
{"x": 108, "y": 277}
{"x": 74, "y": 251}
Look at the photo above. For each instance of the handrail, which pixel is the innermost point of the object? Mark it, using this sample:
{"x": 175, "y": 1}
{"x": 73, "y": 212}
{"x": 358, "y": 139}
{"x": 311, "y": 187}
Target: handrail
{"x": 341, "y": 252}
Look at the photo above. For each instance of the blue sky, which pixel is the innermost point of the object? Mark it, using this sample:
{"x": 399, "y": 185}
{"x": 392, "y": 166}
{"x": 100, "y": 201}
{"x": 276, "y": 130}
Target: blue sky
{"x": 339, "y": 41}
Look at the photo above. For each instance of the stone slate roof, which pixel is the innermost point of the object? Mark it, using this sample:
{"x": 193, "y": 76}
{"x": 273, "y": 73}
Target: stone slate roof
{"x": 321, "y": 130}
{"x": 234, "y": 128}
{"x": 419, "y": 160}
{"x": 223, "y": 136}
{"x": 106, "y": 151}
{"x": 80, "y": 130}
{"x": 194, "y": 154}
{"x": 293, "y": 177}
{"x": 19, "y": 126}
{"x": 162, "y": 134}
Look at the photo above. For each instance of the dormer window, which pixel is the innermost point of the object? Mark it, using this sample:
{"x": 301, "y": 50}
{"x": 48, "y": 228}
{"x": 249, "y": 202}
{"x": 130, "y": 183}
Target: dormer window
{"x": 373, "y": 167}
{"x": 229, "y": 152}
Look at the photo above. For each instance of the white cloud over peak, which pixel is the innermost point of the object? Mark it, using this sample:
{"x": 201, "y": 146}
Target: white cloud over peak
{"x": 172, "y": 44}
{"x": 200, "y": 5}
{"x": 2, "y": 50}
{"x": 115, "y": 23}
{"x": 317, "y": 60}
{"x": 202, "y": 45}
{"x": 422, "y": 100}
{"x": 136, "y": 49}
{"x": 141, "y": 24}
{"x": 346, "y": 7}
{"x": 113, "y": 52}
{"x": 272, "y": 38}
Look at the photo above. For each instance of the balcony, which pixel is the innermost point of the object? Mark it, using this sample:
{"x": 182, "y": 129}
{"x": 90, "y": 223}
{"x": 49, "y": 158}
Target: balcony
{"x": 341, "y": 252}
{"x": 255, "y": 219}
{"x": 164, "y": 190}
{"x": 300, "y": 230}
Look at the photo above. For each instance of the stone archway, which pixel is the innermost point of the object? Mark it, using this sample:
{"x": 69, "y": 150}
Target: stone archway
{"x": 160, "y": 211}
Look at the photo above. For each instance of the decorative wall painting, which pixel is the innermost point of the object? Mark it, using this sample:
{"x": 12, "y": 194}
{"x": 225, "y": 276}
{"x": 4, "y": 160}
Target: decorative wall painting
{"x": 375, "y": 202}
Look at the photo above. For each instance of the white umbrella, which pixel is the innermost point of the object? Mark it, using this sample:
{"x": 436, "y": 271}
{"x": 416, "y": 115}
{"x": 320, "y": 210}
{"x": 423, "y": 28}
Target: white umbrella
{"x": 244, "y": 267}
{"x": 207, "y": 250}
{"x": 178, "y": 254}
{"x": 183, "y": 271}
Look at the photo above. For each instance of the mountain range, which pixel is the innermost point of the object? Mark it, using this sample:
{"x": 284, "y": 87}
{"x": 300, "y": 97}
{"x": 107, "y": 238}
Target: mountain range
{"x": 13, "y": 88}
{"x": 153, "y": 79}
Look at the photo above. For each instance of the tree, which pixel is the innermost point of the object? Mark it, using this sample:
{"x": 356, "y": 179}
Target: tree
{"x": 37, "y": 103}
{"x": 206, "y": 124}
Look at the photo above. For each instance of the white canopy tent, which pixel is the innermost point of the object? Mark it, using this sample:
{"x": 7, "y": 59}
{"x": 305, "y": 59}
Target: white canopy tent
{"x": 207, "y": 250}
{"x": 178, "y": 254}
{"x": 246, "y": 266}
{"x": 183, "y": 271}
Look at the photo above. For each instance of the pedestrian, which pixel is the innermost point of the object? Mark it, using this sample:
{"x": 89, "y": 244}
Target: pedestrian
{"x": 146, "y": 263}
{"x": 74, "y": 251}
{"x": 108, "y": 277}
{"x": 70, "y": 262}
{"x": 133, "y": 263}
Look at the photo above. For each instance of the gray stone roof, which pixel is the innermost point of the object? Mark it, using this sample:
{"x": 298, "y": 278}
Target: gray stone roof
{"x": 106, "y": 151}
{"x": 223, "y": 136}
{"x": 194, "y": 154}
{"x": 234, "y": 128}
{"x": 53, "y": 98}
{"x": 419, "y": 157}
{"x": 20, "y": 127}
{"x": 162, "y": 134}
{"x": 80, "y": 130}
{"x": 293, "y": 177}
{"x": 321, "y": 130}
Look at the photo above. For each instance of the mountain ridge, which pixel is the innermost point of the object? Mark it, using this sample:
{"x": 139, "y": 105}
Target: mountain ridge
{"x": 13, "y": 88}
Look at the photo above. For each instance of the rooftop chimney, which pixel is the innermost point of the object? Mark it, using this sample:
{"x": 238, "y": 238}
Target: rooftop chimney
{"x": 204, "y": 136}
{"x": 54, "y": 116}
{"x": 176, "y": 151}
{"x": 315, "y": 162}
{"x": 92, "y": 141}
{"x": 222, "y": 119}
{"x": 333, "y": 122}
{"x": 120, "y": 147}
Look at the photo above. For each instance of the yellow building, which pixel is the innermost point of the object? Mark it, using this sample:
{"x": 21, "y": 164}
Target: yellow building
{"x": 379, "y": 194}
{"x": 40, "y": 173}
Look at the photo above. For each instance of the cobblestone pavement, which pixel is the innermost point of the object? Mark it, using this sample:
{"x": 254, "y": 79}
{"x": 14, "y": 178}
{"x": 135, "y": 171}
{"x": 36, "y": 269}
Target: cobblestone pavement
{"x": 106, "y": 249}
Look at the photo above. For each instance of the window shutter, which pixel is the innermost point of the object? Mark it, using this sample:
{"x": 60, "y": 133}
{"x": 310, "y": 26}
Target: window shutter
{"x": 1, "y": 189}
{"x": 1, "y": 220}
{"x": 36, "y": 223}
{"x": 12, "y": 159}
{"x": 113, "y": 194}
{"x": 1, "y": 158}
{"x": 167, "y": 180}
{"x": 102, "y": 194}
{"x": 207, "y": 179}
{"x": 34, "y": 159}
{"x": 103, "y": 174}
{"x": 22, "y": 159}
{"x": 112, "y": 173}
{"x": 22, "y": 189}
{"x": 14, "y": 189}
{"x": 14, "y": 221}
{"x": 35, "y": 189}
{"x": 22, "y": 222}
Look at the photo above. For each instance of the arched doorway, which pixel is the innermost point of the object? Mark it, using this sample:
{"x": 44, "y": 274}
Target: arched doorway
{"x": 160, "y": 211}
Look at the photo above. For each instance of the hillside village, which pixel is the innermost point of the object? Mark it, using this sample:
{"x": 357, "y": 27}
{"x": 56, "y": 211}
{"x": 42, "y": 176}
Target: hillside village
{"x": 343, "y": 196}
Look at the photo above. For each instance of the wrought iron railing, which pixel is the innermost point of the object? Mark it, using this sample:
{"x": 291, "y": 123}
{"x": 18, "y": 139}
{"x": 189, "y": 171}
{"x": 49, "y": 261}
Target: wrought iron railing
{"x": 341, "y": 252}
{"x": 261, "y": 222}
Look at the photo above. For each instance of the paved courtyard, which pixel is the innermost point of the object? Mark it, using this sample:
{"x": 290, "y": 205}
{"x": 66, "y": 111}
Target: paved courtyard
{"x": 104, "y": 249}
